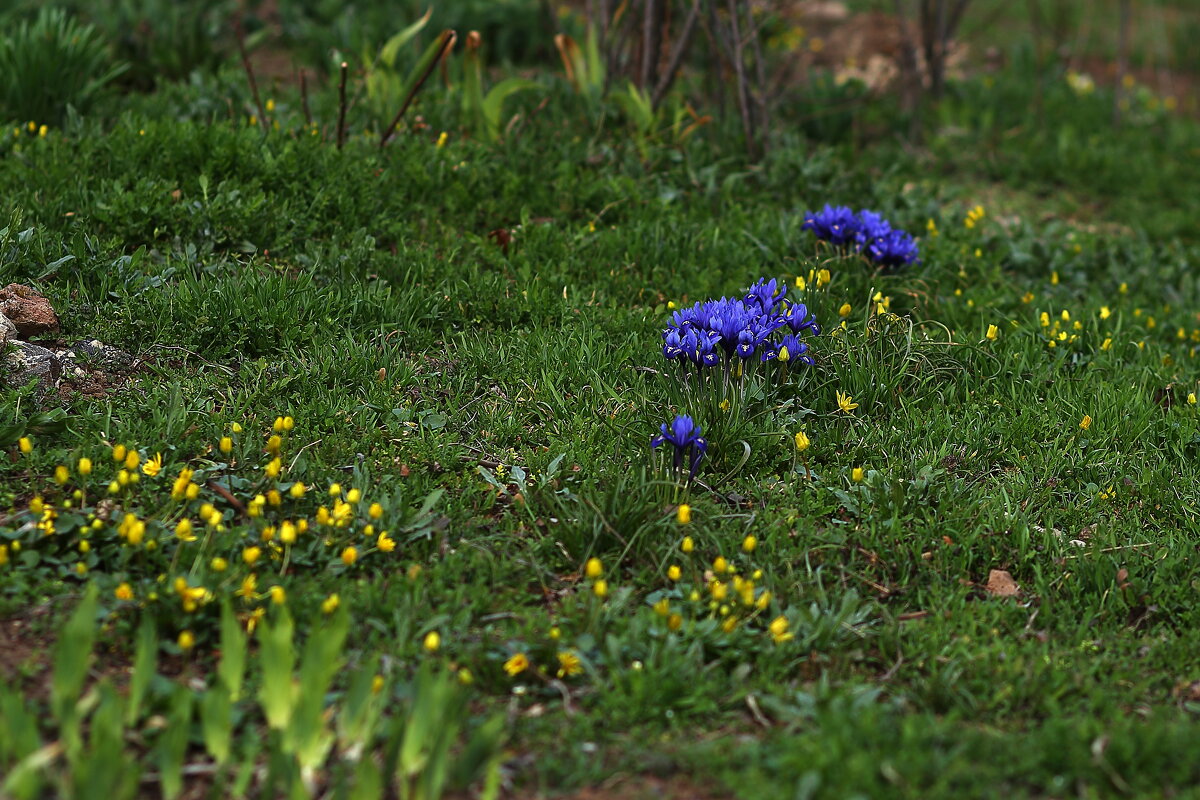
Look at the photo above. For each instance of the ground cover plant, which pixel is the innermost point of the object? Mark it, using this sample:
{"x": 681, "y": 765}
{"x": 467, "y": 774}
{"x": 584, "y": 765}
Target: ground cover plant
{"x": 556, "y": 445}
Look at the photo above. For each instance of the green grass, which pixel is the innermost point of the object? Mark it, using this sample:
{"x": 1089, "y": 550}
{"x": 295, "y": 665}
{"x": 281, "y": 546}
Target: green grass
{"x": 498, "y": 405}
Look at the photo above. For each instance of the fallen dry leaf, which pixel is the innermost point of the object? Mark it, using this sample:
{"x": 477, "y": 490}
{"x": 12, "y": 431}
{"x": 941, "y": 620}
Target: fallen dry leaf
{"x": 1001, "y": 584}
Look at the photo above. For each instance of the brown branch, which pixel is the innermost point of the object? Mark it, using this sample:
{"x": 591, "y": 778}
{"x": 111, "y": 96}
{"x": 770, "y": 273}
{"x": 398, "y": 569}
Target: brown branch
{"x": 681, "y": 45}
{"x": 448, "y": 40}
{"x": 341, "y": 126}
{"x": 304, "y": 98}
{"x": 739, "y": 70}
{"x": 649, "y": 43}
{"x": 229, "y": 498}
{"x": 240, "y": 35}
{"x": 764, "y": 119}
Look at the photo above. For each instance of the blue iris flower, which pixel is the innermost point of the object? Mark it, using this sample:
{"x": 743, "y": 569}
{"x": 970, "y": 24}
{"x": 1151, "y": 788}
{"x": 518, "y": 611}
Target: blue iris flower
{"x": 837, "y": 225}
{"x": 763, "y": 294}
{"x": 733, "y": 327}
{"x": 684, "y": 434}
{"x": 796, "y": 351}
{"x": 893, "y": 250}
{"x": 866, "y": 232}
{"x": 797, "y": 318}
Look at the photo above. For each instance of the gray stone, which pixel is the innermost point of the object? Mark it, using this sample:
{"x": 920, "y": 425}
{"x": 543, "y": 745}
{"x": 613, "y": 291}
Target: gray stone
{"x": 8, "y": 331}
{"x": 28, "y": 361}
{"x": 94, "y": 353}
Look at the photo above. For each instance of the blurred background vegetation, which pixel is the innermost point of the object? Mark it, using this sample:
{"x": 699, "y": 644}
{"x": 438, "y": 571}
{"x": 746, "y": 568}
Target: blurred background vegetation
{"x": 1010, "y": 92}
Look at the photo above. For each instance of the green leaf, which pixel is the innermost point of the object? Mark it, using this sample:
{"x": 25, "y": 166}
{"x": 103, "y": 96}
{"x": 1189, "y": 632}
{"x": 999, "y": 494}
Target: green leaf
{"x": 233, "y": 652}
{"x": 277, "y": 695}
{"x": 493, "y": 104}
{"x": 145, "y": 658}
{"x": 173, "y": 743}
{"x": 391, "y": 47}
{"x": 216, "y": 722}
{"x": 72, "y": 656}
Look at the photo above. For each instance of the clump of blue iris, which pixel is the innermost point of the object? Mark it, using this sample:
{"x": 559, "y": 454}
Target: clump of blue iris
{"x": 865, "y": 232}
{"x": 687, "y": 445}
{"x": 762, "y": 326}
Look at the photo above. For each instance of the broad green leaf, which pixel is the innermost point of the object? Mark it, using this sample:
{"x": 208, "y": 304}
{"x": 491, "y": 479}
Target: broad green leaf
{"x": 145, "y": 659}
{"x": 391, "y": 47}
{"x": 493, "y": 104}
{"x": 172, "y": 745}
{"x": 73, "y": 654}
{"x": 276, "y": 695}
{"x": 216, "y": 722}
{"x": 233, "y": 652}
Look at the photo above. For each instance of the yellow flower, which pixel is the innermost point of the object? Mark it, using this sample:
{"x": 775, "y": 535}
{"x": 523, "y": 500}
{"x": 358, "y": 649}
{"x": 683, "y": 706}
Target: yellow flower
{"x": 1106, "y": 344}
{"x": 802, "y": 441}
{"x": 235, "y": 427}
{"x": 25, "y": 444}
{"x": 85, "y": 466}
{"x": 218, "y": 564}
{"x": 1054, "y": 278}
{"x": 331, "y": 603}
{"x": 353, "y": 496}
{"x": 857, "y": 474}
{"x": 674, "y": 573}
{"x": 779, "y": 630}
{"x": 297, "y": 490}
{"x": 845, "y": 310}
{"x": 749, "y": 543}
{"x": 335, "y": 490}
{"x": 992, "y": 332}
{"x": 823, "y": 277}
{"x": 687, "y": 545}
{"x": 186, "y": 641}
{"x": 375, "y": 511}
{"x": 61, "y": 474}
{"x": 183, "y": 529}
{"x": 441, "y": 140}
{"x": 349, "y": 556}
{"x": 593, "y": 569}
{"x": 251, "y": 554}
{"x": 844, "y": 403}
{"x": 1191, "y": 398}
{"x": 385, "y": 543}
{"x": 683, "y": 514}
{"x": 662, "y": 607}
{"x": 433, "y": 641}
{"x": 674, "y": 622}
{"x": 1105, "y": 312}
{"x": 719, "y": 564}
{"x": 132, "y": 459}
{"x": 377, "y": 684}
{"x": 600, "y": 588}
{"x": 569, "y": 664}
{"x": 274, "y": 445}
{"x": 225, "y": 445}
{"x": 517, "y": 664}
{"x": 273, "y": 468}
{"x": 152, "y": 466}
{"x": 1086, "y": 422}
{"x": 118, "y": 452}
{"x": 124, "y": 592}
{"x": 465, "y": 677}
{"x": 783, "y": 355}
{"x": 1123, "y": 288}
